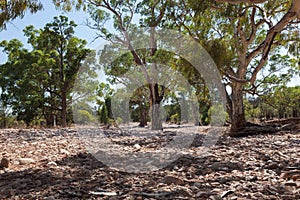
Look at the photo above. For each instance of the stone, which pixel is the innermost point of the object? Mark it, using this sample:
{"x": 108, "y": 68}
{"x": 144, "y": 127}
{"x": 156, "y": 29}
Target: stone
{"x": 52, "y": 163}
{"x": 26, "y": 161}
{"x": 291, "y": 184}
{"x": 4, "y": 163}
{"x": 137, "y": 146}
{"x": 63, "y": 151}
{"x": 172, "y": 180}
{"x": 203, "y": 195}
{"x": 227, "y": 193}
{"x": 50, "y": 198}
{"x": 289, "y": 174}
{"x": 273, "y": 165}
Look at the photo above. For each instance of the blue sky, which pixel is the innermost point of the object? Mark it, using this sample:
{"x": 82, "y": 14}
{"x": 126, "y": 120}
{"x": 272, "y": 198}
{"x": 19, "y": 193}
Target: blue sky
{"x": 39, "y": 19}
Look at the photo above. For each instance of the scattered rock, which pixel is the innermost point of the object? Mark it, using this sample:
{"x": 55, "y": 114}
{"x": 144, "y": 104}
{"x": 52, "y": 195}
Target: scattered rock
{"x": 4, "y": 163}
{"x": 227, "y": 193}
{"x": 203, "y": 195}
{"x": 255, "y": 167}
{"x": 172, "y": 180}
{"x": 290, "y": 174}
{"x": 291, "y": 184}
{"x": 103, "y": 193}
{"x": 52, "y": 163}
{"x": 137, "y": 146}
{"x": 273, "y": 165}
{"x": 63, "y": 151}
{"x": 50, "y": 198}
{"x": 26, "y": 161}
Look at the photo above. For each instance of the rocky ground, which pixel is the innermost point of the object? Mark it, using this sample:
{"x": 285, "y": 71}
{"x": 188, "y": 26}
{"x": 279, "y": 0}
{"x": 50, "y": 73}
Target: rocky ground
{"x": 55, "y": 164}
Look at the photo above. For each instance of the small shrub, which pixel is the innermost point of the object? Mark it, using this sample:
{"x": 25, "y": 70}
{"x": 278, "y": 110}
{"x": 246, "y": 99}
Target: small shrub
{"x": 175, "y": 118}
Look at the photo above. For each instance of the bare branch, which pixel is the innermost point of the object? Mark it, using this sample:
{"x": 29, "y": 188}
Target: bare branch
{"x": 236, "y": 79}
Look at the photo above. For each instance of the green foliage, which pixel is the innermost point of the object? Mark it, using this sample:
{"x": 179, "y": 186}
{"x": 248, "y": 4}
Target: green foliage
{"x": 285, "y": 100}
{"x": 68, "y": 5}
{"x": 39, "y": 81}
{"x": 119, "y": 120}
{"x": 139, "y": 105}
{"x": 84, "y": 117}
{"x": 175, "y": 118}
{"x": 12, "y": 9}
{"x": 219, "y": 114}
{"x": 240, "y": 38}
{"x": 252, "y": 110}
{"x": 281, "y": 102}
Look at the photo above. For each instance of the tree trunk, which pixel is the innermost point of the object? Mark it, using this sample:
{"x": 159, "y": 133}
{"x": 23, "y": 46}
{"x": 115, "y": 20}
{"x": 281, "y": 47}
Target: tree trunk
{"x": 155, "y": 100}
{"x": 143, "y": 115}
{"x": 229, "y": 105}
{"x": 63, "y": 109}
{"x": 238, "y": 122}
{"x": 143, "y": 121}
{"x": 156, "y": 121}
{"x": 195, "y": 111}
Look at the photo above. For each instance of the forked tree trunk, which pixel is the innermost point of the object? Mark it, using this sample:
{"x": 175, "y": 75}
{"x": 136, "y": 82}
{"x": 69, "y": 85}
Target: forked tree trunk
{"x": 238, "y": 120}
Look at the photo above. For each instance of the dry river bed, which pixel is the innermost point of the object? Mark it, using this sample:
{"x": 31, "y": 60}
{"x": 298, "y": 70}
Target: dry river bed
{"x": 57, "y": 164}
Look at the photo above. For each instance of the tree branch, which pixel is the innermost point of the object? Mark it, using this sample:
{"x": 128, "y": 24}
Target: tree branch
{"x": 292, "y": 13}
{"x": 241, "y": 1}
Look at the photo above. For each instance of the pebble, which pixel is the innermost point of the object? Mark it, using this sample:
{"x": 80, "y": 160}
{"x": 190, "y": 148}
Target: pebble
{"x": 4, "y": 163}
{"x": 63, "y": 151}
{"x": 137, "y": 146}
{"x": 26, "y": 161}
{"x": 290, "y": 183}
{"x": 52, "y": 163}
{"x": 172, "y": 180}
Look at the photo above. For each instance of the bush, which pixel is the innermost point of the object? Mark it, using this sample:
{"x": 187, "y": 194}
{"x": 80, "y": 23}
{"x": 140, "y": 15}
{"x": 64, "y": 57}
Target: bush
{"x": 119, "y": 120}
{"x": 84, "y": 117}
{"x": 175, "y": 118}
{"x": 220, "y": 115}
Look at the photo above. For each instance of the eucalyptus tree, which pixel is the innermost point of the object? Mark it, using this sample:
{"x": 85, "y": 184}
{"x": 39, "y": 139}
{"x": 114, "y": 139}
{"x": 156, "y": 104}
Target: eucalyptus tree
{"x": 68, "y": 53}
{"x": 246, "y": 33}
{"x": 41, "y": 80}
{"x": 239, "y": 34}
{"x": 20, "y": 78}
{"x": 121, "y": 14}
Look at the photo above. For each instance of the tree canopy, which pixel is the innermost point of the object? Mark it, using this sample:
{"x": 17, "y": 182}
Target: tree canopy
{"x": 12, "y": 9}
{"x": 251, "y": 41}
{"x": 39, "y": 81}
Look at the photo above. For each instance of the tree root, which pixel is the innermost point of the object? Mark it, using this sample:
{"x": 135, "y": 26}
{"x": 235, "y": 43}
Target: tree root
{"x": 291, "y": 124}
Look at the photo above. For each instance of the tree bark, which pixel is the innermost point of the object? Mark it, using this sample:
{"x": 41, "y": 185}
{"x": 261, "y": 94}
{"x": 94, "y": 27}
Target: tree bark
{"x": 63, "y": 109}
{"x": 155, "y": 100}
{"x": 143, "y": 115}
{"x": 238, "y": 120}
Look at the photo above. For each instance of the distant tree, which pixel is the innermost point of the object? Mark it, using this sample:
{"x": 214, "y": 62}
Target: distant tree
{"x": 139, "y": 105}
{"x": 40, "y": 81}
{"x": 285, "y": 100}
